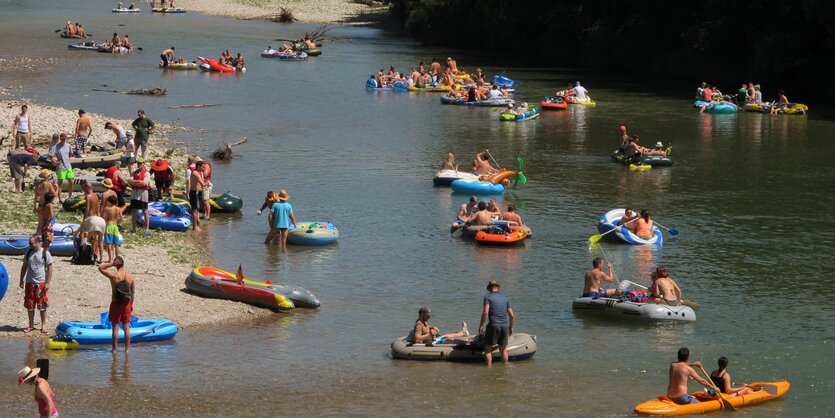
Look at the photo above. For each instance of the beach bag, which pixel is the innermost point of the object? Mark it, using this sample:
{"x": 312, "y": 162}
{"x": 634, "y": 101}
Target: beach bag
{"x": 637, "y": 296}
{"x": 83, "y": 255}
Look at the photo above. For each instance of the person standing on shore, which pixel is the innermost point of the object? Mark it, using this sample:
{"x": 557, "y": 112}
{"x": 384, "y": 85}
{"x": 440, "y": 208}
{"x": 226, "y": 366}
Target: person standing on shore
{"x": 281, "y": 217}
{"x": 35, "y": 277}
{"x": 121, "y": 302}
{"x": 130, "y": 151}
{"x": 144, "y": 127}
{"x": 164, "y": 176}
{"x": 196, "y": 183}
{"x": 44, "y": 397}
{"x": 83, "y": 130}
{"x": 500, "y": 318}
{"x": 22, "y": 128}
{"x": 141, "y": 183}
{"x": 18, "y": 164}
{"x": 117, "y": 183}
{"x": 112, "y": 215}
{"x": 207, "y": 190}
{"x": 93, "y": 224}
{"x": 60, "y": 154}
{"x": 119, "y": 131}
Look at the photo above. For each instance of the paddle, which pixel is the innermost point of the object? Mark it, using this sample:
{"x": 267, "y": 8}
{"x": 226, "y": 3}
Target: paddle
{"x": 597, "y": 237}
{"x": 520, "y": 175}
{"x": 673, "y": 232}
{"x": 613, "y": 269}
{"x": 725, "y": 403}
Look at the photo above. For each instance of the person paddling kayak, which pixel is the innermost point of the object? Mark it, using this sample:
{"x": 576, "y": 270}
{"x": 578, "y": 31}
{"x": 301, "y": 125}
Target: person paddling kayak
{"x": 680, "y": 372}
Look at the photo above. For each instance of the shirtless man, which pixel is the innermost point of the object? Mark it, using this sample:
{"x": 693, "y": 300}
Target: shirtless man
{"x": 167, "y": 57}
{"x": 453, "y": 66}
{"x": 126, "y": 42}
{"x": 80, "y": 31}
{"x": 511, "y": 215}
{"x": 239, "y": 62}
{"x": 423, "y": 333}
{"x": 680, "y": 371}
{"x": 195, "y": 193}
{"x": 83, "y": 130}
{"x": 483, "y": 166}
{"x": 482, "y": 216}
{"x": 628, "y": 219}
{"x": 70, "y": 29}
{"x": 112, "y": 237}
{"x": 664, "y": 289}
{"x": 593, "y": 278}
{"x": 416, "y": 79}
{"x": 116, "y": 43}
{"x": 493, "y": 206}
{"x": 632, "y": 147}
{"x": 464, "y": 213}
{"x": 435, "y": 70}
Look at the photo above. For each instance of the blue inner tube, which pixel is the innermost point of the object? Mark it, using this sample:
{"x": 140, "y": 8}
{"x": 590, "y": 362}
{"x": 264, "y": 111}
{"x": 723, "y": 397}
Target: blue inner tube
{"x": 476, "y": 187}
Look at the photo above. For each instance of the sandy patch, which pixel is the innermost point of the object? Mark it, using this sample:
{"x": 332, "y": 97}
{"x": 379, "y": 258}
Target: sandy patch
{"x": 306, "y": 11}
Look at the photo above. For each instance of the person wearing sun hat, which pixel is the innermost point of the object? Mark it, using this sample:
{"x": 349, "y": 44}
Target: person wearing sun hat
{"x": 499, "y": 318}
{"x": 46, "y": 184}
{"x": 164, "y": 176}
{"x": 43, "y": 392}
{"x": 281, "y": 217}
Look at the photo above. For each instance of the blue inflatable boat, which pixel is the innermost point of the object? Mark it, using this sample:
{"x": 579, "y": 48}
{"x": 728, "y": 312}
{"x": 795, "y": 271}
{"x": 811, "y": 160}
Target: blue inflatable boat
{"x": 17, "y": 244}
{"x": 4, "y": 281}
{"x": 371, "y": 84}
{"x": 510, "y": 117}
{"x": 312, "y": 233}
{"x": 717, "y": 106}
{"x": 166, "y": 216}
{"x": 503, "y": 80}
{"x": 611, "y": 220}
{"x": 476, "y": 187}
{"x": 141, "y": 330}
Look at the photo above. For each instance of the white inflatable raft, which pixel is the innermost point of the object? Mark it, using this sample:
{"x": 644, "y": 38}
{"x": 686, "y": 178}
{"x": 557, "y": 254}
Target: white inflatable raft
{"x": 618, "y": 308}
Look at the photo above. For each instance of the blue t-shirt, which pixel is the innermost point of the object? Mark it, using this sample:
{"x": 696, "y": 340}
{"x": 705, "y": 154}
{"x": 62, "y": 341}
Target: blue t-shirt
{"x": 281, "y": 214}
{"x": 499, "y": 305}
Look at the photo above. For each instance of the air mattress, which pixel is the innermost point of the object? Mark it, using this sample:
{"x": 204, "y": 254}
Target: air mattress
{"x": 88, "y": 46}
{"x": 476, "y": 187}
{"x": 180, "y": 66}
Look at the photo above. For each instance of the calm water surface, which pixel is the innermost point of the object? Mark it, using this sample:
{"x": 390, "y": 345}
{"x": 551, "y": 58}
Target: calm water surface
{"x": 750, "y": 194}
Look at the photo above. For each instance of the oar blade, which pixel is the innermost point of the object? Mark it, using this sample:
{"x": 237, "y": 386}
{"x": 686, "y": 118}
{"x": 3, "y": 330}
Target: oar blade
{"x": 673, "y": 232}
{"x": 594, "y": 239}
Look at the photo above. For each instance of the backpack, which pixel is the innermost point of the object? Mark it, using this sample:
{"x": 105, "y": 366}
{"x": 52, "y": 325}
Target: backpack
{"x": 83, "y": 255}
{"x": 122, "y": 292}
{"x": 637, "y": 296}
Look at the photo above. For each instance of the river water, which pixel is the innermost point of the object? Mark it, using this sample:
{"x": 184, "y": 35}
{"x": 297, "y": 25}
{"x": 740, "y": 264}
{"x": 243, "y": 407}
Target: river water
{"x": 750, "y": 194}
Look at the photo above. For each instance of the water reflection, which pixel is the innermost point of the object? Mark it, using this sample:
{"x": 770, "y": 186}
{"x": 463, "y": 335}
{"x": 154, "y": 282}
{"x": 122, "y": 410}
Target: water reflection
{"x": 120, "y": 376}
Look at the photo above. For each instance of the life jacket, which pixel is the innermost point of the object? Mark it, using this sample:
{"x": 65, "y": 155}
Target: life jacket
{"x": 207, "y": 177}
{"x": 139, "y": 175}
{"x": 118, "y": 187}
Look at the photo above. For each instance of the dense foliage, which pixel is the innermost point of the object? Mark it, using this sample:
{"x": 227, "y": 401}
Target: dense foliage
{"x": 786, "y": 44}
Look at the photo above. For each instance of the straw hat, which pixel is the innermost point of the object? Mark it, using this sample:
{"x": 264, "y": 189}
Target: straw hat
{"x": 493, "y": 283}
{"x": 107, "y": 183}
{"x": 197, "y": 159}
{"x": 26, "y": 373}
{"x": 282, "y": 195}
{"x": 159, "y": 165}
{"x": 44, "y": 174}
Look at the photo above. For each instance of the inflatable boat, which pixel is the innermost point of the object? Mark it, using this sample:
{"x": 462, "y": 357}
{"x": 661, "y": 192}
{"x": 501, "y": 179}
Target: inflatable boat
{"x": 611, "y": 220}
{"x": 86, "y": 46}
{"x": 166, "y": 216}
{"x": 124, "y": 10}
{"x": 227, "y": 202}
{"x": 622, "y": 308}
{"x": 141, "y": 330}
{"x": 763, "y": 391}
{"x": 790, "y": 109}
{"x": 62, "y": 342}
{"x": 504, "y": 81}
{"x": 179, "y": 66}
{"x": 510, "y": 117}
{"x": 109, "y": 49}
{"x": 553, "y": 103}
{"x": 97, "y": 159}
{"x": 65, "y": 36}
{"x": 462, "y": 101}
{"x": 444, "y": 178}
{"x": 4, "y": 281}
{"x": 18, "y": 244}
{"x": 472, "y": 230}
{"x": 429, "y": 89}
{"x": 519, "y": 347}
{"x": 501, "y": 234}
{"x": 215, "y": 283}
{"x": 651, "y": 160}
{"x": 296, "y": 56}
{"x": 312, "y": 233}
{"x": 476, "y": 187}
{"x": 372, "y": 85}
{"x": 213, "y": 65}
{"x": 717, "y": 106}
{"x": 298, "y": 296}
{"x": 168, "y": 10}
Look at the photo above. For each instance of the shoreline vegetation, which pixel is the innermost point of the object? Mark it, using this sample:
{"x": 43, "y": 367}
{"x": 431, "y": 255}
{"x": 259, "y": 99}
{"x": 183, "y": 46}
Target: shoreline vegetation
{"x": 783, "y": 45}
{"x": 160, "y": 261}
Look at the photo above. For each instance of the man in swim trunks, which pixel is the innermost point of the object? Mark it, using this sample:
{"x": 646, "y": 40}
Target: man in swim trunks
{"x": 112, "y": 237}
{"x": 83, "y": 130}
{"x": 594, "y": 276}
{"x": 60, "y": 154}
{"x": 664, "y": 289}
{"x": 167, "y": 57}
{"x": 679, "y": 373}
{"x": 511, "y": 215}
{"x": 120, "y": 132}
{"x": 37, "y": 272}
{"x": 18, "y": 164}
{"x": 423, "y": 333}
{"x": 123, "y": 294}
{"x": 195, "y": 193}
{"x": 483, "y": 166}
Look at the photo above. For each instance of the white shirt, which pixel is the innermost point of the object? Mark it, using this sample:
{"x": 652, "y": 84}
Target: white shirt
{"x": 495, "y": 93}
{"x": 581, "y": 92}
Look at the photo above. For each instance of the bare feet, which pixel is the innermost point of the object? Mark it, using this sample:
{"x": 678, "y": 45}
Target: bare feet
{"x": 28, "y": 330}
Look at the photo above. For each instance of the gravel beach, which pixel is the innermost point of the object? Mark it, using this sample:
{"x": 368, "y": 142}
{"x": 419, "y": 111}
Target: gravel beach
{"x": 305, "y": 11}
{"x": 160, "y": 262}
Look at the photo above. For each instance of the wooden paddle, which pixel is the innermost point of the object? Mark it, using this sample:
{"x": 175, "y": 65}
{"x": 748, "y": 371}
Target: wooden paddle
{"x": 596, "y": 237}
{"x": 725, "y": 402}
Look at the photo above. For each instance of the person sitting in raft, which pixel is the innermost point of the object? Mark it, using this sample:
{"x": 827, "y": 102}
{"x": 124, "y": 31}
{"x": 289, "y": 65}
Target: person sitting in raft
{"x": 658, "y": 150}
{"x": 628, "y": 219}
{"x": 482, "y": 165}
{"x": 680, "y": 372}
{"x": 464, "y": 213}
{"x": 132, "y": 6}
{"x": 381, "y": 78}
{"x": 70, "y": 29}
{"x": 593, "y": 277}
{"x": 511, "y": 215}
{"x": 126, "y": 43}
{"x": 633, "y": 149}
{"x": 239, "y": 62}
{"x": 481, "y": 217}
{"x": 309, "y": 44}
{"x": 493, "y": 207}
{"x": 581, "y": 93}
{"x": 119, "y": 6}
{"x": 287, "y": 49}
{"x": 504, "y": 91}
{"x": 643, "y": 226}
{"x": 81, "y": 31}
{"x": 115, "y": 43}
{"x": 494, "y": 92}
{"x": 509, "y": 110}
{"x": 664, "y": 289}
{"x": 423, "y": 333}
{"x": 270, "y": 50}
{"x": 722, "y": 379}
{"x": 449, "y": 163}
{"x": 780, "y": 104}
{"x": 473, "y": 95}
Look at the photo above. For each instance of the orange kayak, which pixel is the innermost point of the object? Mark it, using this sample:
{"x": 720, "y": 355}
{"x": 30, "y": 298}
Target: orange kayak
{"x": 546, "y": 105}
{"x": 499, "y": 234}
{"x": 764, "y": 391}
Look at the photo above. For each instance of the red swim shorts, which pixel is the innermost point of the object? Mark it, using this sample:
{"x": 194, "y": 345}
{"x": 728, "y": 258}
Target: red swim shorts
{"x": 35, "y": 295}
{"x": 120, "y": 313}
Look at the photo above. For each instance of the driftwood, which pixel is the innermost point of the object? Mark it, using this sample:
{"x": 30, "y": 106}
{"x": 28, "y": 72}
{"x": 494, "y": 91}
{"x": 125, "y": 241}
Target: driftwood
{"x": 3, "y": 139}
{"x": 225, "y": 152}
{"x": 193, "y": 106}
{"x": 284, "y": 15}
{"x": 317, "y": 36}
{"x": 154, "y": 91}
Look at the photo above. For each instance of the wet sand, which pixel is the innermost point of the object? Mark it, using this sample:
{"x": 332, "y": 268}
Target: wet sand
{"x": 160, "y": 262}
